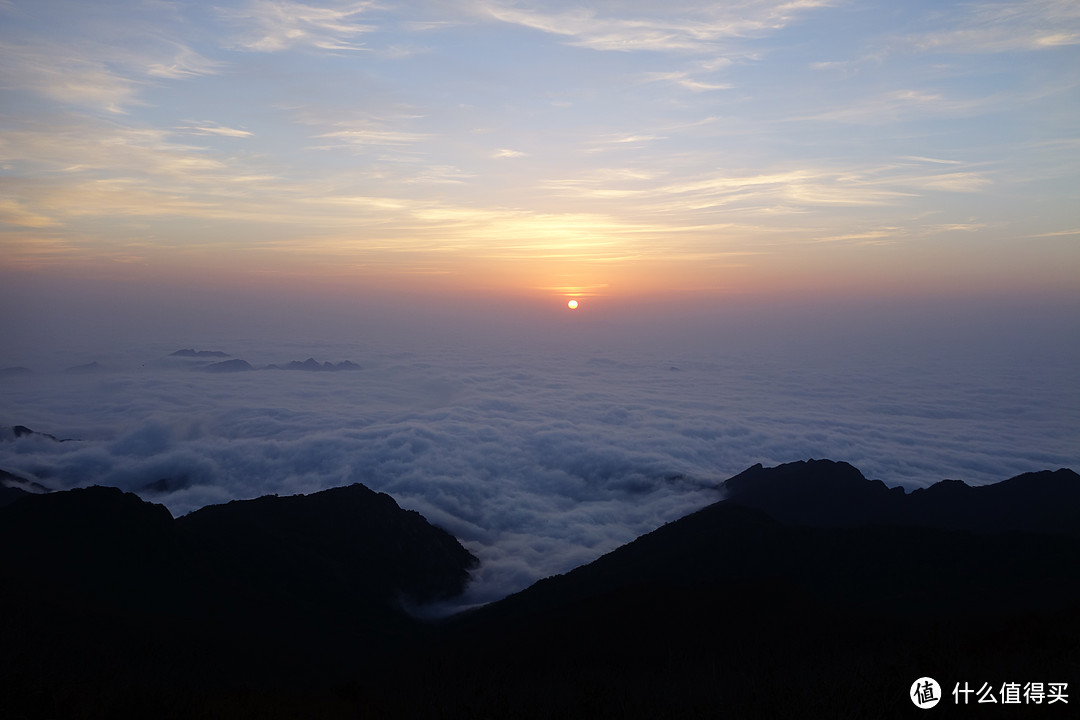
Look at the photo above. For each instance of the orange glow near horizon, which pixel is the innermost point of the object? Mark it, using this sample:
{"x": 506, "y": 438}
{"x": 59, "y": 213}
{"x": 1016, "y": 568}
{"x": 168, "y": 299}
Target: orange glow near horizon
{"x": 162, "y": 164}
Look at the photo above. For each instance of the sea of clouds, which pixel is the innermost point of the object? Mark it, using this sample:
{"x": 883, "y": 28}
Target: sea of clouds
{"x": 539, "y": 455}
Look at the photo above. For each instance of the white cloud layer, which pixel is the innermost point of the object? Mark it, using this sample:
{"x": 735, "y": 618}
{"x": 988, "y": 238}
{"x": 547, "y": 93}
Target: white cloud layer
{"x": 540, "y": 458}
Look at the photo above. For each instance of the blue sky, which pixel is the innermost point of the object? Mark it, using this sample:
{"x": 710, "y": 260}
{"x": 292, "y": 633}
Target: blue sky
{"x": 608, "y": 149}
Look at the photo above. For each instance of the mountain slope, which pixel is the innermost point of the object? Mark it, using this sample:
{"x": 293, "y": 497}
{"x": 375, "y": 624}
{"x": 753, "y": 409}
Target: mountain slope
{"x": 106, "y": 591}
{"x": 730, "y": 612}
{"x": 809, "y": 591}
{"x": 824, "y": 493}
{"x": 346, "y": 544}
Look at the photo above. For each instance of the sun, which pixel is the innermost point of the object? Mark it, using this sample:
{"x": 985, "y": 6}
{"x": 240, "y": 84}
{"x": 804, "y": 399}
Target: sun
{"x": 572, "y": 304}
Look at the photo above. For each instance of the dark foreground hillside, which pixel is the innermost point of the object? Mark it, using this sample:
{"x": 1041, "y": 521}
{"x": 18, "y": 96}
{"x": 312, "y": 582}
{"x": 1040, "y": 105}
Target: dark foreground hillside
{"x": 730, "y": 613}
{"x": 809, "y": 592}
{"x": 111, "y": 607}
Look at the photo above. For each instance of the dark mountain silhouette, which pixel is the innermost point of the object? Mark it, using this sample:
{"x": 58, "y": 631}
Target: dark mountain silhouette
{"x": 809, "y": 591}
{"x": 228, "y": 366}
{"x": 10, "y": 493}
{"x": 343, "y": 548}
{"x": 733, "y": 540}
{"x": 16, "y": 371}
{"x": 347, "y": 541}
{"x": 103, "y": 590}
{"x": 14, "y": 432}
{"x": 190, "y": 352}
{"x": 831, "y": 494}
{"x": 166, "y": 485}
{"x": 731, "y": 612}
{"x": 11, "y": 488}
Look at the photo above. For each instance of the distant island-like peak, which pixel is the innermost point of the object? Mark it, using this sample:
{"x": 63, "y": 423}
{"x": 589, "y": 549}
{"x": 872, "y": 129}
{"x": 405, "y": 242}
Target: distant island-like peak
{"x": 191, "y": 352}
{"x": 313, "y": 365}
{"x": 229, "y": 366}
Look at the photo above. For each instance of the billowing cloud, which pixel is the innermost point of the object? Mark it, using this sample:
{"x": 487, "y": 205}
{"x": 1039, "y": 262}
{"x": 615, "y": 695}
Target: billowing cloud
{"x": 543, "y": 457}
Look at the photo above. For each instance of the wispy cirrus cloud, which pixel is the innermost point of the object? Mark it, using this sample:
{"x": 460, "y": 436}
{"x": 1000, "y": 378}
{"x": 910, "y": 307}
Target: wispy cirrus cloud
{"x": 183, "y": 62}
{"x": 93, "y": 169}
{"x": 361, "y": 130}
{"x": 956, "y": 182}
{"x": 94, "y": 74}
{"x": 977, "y": 28}
{"x": 114, "y": 150}
{"x": 1028, "y": 25}
{"x": 522, "y": 234}
{"x": 15, "y": 212}
{"x": 70, "y": 78}
{"x": 1059, "y": 233}
{"x": 900, "y": 105}
{"x": 710, "y": 214}
{"x": 889, "y": 235}
{"x": 805, "y": 186}
{"x": 212, "y": 128}
{"x": 367, "y": 136}
{"x": 869, "y": 236}
{"x": 275, "y": 25}
{"x": 635, "y": 26}
{"x": 437, "y": 175}
{"x": 685, "y": 80}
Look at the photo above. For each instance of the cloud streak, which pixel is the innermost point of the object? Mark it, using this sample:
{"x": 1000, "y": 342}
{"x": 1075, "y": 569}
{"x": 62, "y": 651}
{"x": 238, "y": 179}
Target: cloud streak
{"x": 677, "y": 27}
{"x": 276, "y": 25}
{"x": 1000, "y": 27}
{"x": 66, "y": 78}
{"x": 211, "y": 128}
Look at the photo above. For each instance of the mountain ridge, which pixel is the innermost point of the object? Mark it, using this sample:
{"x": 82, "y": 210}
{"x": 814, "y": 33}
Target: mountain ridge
{"x": 835, "y": 494}
{"x": 806, "y": 576}
{"x": 731, "y": 612}
{"x": 120, "y": 587}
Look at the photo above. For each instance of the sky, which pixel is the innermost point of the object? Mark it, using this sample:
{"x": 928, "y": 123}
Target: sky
{"x": 805, "y": 229}
{"x": 506, "y": 152}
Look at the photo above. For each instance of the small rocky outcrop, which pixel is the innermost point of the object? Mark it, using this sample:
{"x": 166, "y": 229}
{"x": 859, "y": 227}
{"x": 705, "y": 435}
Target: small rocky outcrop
{"x": 228, "y": 366}
{"x": 192, "y": 353}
